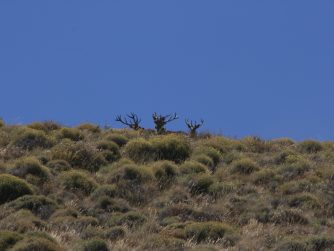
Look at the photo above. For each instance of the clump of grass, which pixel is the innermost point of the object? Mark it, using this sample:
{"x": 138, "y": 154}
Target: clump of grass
{"x": 92, "y": 245}
{"x": 309, "y": 146}
{"x": 110, "y": 150}
{"x": 59, "y": 165}
{"x": 210, "y": 152}
{"x": 120, "y": 140}
{"x": 289, "y": 217}
{"x": 244, "y": 166}
{"x": 78, "y": 154}
{"x": 130, "y": 219}
{"x": 140, "y": 150}
{"x": 29, "y": 139}
{"x": 8, "y": 239}
{"x": 30, "y": 166}
{"x": 89, "y": 127}
{"x": 39, "y": 205}
{"x": 192, "y": 167}
{"x": 77, "y": 181}
{"x": 165, "y": 172}
{"x": 46, "y": 126}
{"x": 71, "y": 133}
{"x": 171, "y": 147}
{"x": 12, "y": 187}
{"x": 200, "y": 184}
{"x": 36, "y": 243}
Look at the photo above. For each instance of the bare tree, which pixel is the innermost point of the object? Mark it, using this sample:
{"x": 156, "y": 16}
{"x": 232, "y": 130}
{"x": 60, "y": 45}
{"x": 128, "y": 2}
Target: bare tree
{"x": 160, "y": 121}
{"x": 133, "y": 122}
{"x": 193, "y": 126}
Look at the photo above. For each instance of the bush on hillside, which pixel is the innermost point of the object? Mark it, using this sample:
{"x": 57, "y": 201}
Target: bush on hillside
{"x": 170, "y": 147}
{"x": 78, "y": 154}
{"x": 71, "y": 133}
{"x": 46, "y": 126}
{"x": 309, "y": 146}
{"x": 140, "y": 150}
{"x": 29, "y": 165}
{"x": 58, "y": 165}
{"x": 8, "y": 239}
{"x": 120, "y": 140}
{"x": 36, "y": 244}
{"x": 29, "y": 139}
{"x": 92, "y": 245}
{"x": 244, "y": 166}
{"x": 110, "y": 150}
{"x": 165, "y": 172}
{"x": 12, "y": 187}
{"x": 77, "y": 181}
{"x": 191, "y": 167}
{"x": 39, "y": 205}
{"x": 89, "y": 127}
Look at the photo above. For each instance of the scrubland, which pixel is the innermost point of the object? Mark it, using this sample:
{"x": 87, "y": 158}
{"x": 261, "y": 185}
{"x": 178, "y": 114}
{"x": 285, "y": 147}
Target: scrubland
{"x": 90, "y": 189}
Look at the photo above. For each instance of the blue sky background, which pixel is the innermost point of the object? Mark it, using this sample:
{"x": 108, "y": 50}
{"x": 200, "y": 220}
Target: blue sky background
{"x": 261, "y": 68}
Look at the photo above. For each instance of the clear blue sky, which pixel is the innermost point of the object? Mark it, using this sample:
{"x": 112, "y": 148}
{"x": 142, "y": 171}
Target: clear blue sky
{"x": 261, "y": 68}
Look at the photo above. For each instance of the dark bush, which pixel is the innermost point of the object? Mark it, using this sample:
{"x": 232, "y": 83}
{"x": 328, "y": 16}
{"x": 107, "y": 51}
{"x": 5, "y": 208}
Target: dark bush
{"x": 71, "y": 133}
{"x": 130, "y": 219}
{"x": 120, "y": 140}
{"x": 30, "y": 165}
{"x": 191, "y": 167}
{"x": 29, "y": 139}
{"x": 46, "y": 126}
{"x": 170, "y": 147}
{"x": 8, "y": 239}
{"x": 165, "y": 172}
{"x": 200, "y": 183}
{"x": 309, "y": 146}
{"x": 36, "y": 244}
{"x": 92, "y": 245}
{"x": 244, "y": 166}
{"x": 59, "y": 165}
{"x": 39, "y": 205}
{"x": 78, "y": 154}
{"x": 115, "y": 233}
{"x": 12, "y": 187}
{"x": 77, "y": 181}
{"x": 140, "y": 150}
{"x": 109, "y": 150}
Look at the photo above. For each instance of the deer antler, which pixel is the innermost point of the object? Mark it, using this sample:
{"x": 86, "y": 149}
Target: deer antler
{"x": 160, "y": 121}
{"x": 193, "y": 126}
{"x": 133, "y": 123}
{"x": 171, "y": 117}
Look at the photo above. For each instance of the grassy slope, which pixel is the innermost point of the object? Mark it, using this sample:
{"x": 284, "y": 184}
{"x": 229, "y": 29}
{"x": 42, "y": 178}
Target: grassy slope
{"x": 90, "y": 189}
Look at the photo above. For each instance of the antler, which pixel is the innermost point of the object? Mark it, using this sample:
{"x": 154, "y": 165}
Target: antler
{"x": 160, "y": 121}
{"x": 133, "y": 123}
{"x": 193, "y": 126}
{"x": 171, "y": 117}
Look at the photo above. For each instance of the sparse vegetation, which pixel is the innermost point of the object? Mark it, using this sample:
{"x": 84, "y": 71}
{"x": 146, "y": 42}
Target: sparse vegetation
{"x": 88, "y": 188}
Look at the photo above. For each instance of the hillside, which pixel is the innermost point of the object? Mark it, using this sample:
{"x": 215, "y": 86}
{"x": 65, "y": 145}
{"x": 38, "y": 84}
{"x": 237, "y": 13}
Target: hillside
{"x": 91, "y": 189}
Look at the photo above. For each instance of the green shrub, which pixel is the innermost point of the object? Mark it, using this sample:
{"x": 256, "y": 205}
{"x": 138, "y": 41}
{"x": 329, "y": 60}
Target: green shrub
{"x": 59, "y": 165}
{"x": 205, "y": 160}
{"x": 112, "y": 205}
{"x": 133, "y": 173}
{"x": 140, "y": 150}
{"x": 266, "y": 177}
{"x": 120, "y": 140}
{"x": 29, "y": 139}
{"x": 21, "y": 221}
{"x": 39, "y": 205}
{"x": 8, "y": 239}
{"x": 165, "y": 172}
{"x": 211, "y": 152}
{"x": 209, "y": 231}
{"x": 191, "y": 167}
{"x": 170, "y": 147}
{"x": 255, "y": 144}
{"x": 219, "y": 189}
{"x": 77, "y": 181}
{"x": 78, "y": 154}
{"x": 109, "y": 150}
{"x": 92, "y": 245}
{"x": 105, "y": 190}
{"x": 200, "y": 183}
{"x": 12, "y": 187}
{"x": 244, "y": 166}
{"x": 36, "y": 244}
{"x": 30, "y": 165}
{"x": 130, "y": 219}
{"x": 291, "y": 245}
{"x": 309, "y": 146}
{"x": 46, "y": 126}
{"x": 71, "y": 133}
